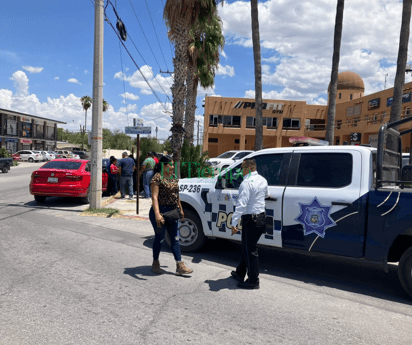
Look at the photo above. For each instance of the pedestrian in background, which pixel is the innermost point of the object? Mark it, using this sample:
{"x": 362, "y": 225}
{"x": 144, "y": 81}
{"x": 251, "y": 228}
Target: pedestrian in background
{"x": 165, "y": 198}
{"x": 147, "y": 170}
{"x": 154, "y": 156}
{"x": 126, "y": 169}
{"x": 251, "y": 207}
{"x": 114, "y": 170}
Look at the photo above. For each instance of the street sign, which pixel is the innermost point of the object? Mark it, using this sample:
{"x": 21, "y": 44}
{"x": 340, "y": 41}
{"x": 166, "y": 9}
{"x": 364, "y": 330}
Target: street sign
{"x": 138, "y": 130}
{"x": 355, "y": 136}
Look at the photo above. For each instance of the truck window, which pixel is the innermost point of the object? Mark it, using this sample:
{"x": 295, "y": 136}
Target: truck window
{"x": 327, "y": 170}
{"x": 269, "y": 167}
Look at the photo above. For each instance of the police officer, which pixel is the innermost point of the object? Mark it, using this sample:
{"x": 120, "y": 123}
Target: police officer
{"x": 251, "y": 207}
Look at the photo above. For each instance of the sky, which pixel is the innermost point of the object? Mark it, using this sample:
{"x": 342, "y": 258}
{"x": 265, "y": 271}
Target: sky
{"x": 46, "y": 56}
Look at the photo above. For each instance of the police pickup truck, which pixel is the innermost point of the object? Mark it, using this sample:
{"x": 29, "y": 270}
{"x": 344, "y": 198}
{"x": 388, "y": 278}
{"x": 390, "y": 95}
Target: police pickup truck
{"x": 350, "y": 201}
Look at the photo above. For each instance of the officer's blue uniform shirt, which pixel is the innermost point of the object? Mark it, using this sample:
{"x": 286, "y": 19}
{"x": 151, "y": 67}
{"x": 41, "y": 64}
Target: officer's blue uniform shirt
{"x": 252, "y": 193}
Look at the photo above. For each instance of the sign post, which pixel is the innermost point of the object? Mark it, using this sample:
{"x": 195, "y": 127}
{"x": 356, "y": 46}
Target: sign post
{"x": 138, "y": 130}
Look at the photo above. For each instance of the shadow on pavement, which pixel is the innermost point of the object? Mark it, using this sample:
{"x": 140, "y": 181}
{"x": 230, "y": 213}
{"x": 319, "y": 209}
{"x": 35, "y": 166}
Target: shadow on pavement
{"x": 221, "y": 284}
{"x": 346, "y": 274}
{"x": 145, "y": 271}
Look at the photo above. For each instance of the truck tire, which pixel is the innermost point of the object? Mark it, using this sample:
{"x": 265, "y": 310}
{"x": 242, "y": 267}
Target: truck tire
{"x": 31, "y": 159}
{"x": 5, "y": 169}
{"x": 40, "y": 198}
{"x": 405, "y": 271}
{"x": 191, "y": 233}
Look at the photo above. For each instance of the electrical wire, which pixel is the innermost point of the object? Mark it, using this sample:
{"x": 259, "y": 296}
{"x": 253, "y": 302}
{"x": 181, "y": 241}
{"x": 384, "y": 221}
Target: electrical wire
{"x": 124, "y": 87}
{"x": 138, "y": 68}
{"x": 147, "y": 41}
{"x": 157, "y": 38}
{"x": 170, "y": 43}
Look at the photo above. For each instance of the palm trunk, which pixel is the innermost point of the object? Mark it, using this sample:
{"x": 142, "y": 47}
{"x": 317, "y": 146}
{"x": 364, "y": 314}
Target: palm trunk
{"x": 180, "y": 62}
{"x": 258, "y": 75}
{"x": 191, "y": 93}
{"x": 333, "y": 88}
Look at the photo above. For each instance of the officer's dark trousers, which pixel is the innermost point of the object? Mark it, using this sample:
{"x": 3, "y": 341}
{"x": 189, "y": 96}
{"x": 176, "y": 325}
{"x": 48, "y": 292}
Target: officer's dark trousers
{"x": 249, "y": 262}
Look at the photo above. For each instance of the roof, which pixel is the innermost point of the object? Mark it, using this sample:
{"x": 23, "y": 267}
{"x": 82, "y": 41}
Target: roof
{"x": 350, "y": 81}
{"x": 12, "y": 112}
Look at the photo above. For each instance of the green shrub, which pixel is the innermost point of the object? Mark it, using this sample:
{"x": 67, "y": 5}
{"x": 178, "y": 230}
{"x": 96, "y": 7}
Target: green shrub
{"x": 4, "y": 153}
{"x": 192, "y": 156}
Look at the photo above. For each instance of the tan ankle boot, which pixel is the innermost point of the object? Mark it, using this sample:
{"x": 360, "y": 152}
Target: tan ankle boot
{"x": 182, "y": 269}
{"x": 156, "y": 267}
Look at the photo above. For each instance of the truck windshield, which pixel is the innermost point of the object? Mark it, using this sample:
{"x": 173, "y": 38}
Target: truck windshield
{"x": 227, "y": 154}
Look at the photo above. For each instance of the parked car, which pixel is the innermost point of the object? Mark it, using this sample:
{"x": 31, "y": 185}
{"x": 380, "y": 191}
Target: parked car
{"x": 64, "y": 178}
{"x": 228, "y": 158}
{"x": 64, "y": 154}
{"x": 48, "y": 156}
{"x": 5, "y": 164}
{"x": 82, "y": 154}
{"x": 44, "y": 158}
{"x": 30, "y": 156}
{"x": 75, "y": 156}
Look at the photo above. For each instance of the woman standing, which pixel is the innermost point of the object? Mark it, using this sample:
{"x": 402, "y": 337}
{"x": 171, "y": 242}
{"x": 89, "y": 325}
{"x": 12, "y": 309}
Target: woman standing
{"x": 114, "y": 170}
{"x": 165, "y": 197}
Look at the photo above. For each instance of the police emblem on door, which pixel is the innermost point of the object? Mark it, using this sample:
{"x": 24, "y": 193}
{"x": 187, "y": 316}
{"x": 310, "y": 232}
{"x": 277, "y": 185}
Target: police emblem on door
{"x": 315, "y": 218}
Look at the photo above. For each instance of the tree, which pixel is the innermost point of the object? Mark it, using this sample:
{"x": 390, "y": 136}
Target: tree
{"x": 207, "y": 40}
{"x": 180, "y": 16}
{"x": 105, "y": 105}
{"x": 258, "y": 75}
{"x": 86, "y": 104}
{"x": 333, "y": 86}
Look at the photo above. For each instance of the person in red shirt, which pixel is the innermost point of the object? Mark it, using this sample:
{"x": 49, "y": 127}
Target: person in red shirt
{"x": 153, "y": 155}
{"x": 114, "y": 170}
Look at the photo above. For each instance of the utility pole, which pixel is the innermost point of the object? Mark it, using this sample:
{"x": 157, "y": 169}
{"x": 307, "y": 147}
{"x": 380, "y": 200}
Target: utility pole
{"x": 97, "y": 121}
{"x": 198, "y": 125}
{"x": 156, "y": 132}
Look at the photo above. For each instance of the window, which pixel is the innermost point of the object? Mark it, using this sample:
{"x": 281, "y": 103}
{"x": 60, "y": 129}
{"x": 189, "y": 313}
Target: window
{"x": 237, "y": 141}
{"x": 269, "y": 166}
{"x": 63, "y": 165}
{"x": 250, "y": 121}
{"x": 339, "y": 124}
{"x": 355, "y": 121}
{"x": 340, "y": 95}
{"x": 408, "y": 112}
{"x": 351, "y": 96}
{"x": 212, "y": 140}
{"x": 291, "y": 123}
{"x": 236, "y": 121}
{"x": 213, "y": 120}
{"x": 228, "y": 154}
{"x": 240, "y": 155}
{"x": 328, "y": 170}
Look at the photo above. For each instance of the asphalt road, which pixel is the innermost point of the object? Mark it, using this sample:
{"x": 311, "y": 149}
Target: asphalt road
{"x": 68, "y": 279}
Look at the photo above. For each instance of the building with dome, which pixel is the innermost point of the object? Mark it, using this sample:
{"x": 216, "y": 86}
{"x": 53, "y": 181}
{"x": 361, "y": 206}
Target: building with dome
{"x": 229, "y": 123}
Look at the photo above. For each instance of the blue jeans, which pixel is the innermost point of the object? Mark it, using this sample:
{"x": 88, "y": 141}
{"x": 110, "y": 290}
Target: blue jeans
{"x": 172, "y": 229}
{"x": 147, "y": 177}
{"x": 112, "y": 185}
{"x": 129, "y": 181}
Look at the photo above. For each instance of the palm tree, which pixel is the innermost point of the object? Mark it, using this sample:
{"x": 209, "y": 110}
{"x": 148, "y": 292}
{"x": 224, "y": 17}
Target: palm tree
{"x": 258, "y": 75}
{"x": 207, "y": 41}
{"x": 333, "y": 87}
{"x": 86, "y": 104}
{"x": 180, "y": 16}
{"x": 105, "y": 105}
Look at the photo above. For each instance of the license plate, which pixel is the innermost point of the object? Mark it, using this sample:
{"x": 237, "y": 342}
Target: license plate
{"x": 53, "y": 179}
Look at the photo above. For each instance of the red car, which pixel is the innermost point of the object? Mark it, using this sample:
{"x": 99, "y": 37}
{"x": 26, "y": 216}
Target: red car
{"x": 64, "y": 178}
{"x": 16, "y": 156}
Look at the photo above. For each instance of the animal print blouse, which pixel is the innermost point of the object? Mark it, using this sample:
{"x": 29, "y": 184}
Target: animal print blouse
{"x": 168, "y": 190}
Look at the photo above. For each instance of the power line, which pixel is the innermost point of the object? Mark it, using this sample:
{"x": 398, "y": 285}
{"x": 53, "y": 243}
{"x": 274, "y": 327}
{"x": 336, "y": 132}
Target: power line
{"x": 124, "y": 87}
{"x": 147, "y": 39}
{"x": 147, "y": 82}
{"x": 157, "y": 38}
{"x": 170, "y": 44}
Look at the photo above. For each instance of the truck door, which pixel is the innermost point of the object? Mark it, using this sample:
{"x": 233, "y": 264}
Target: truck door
{"x": 322, "y": 209}
{"x": 274, "y": 167}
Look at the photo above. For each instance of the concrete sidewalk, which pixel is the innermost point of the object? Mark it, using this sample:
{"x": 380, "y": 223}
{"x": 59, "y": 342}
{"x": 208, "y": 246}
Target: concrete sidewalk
{"x": 127, "y": 207}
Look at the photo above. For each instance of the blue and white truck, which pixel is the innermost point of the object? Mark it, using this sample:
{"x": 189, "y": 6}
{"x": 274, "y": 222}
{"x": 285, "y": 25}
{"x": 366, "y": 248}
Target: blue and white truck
{"x": 350, "y": 201}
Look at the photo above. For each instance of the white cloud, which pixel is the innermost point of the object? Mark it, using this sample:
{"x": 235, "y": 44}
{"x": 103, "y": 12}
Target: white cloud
{"x": 56, "y": 78}
{"x": 86, "y": 71}
{"x": 159, "y": 83}
{"x": 129, "y": 108}
{"x": 225, "y": 70}
{"x": 21, "y": 82}
{"x": 128, "y": 95}
{"x": 32, "y": 69}
{"x": 74, "y": 81}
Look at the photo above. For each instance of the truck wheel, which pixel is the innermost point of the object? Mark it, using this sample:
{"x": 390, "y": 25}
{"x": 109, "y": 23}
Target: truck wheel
{"x": 31, "y": 160}
{"x": 40, "y": 198}
{"x": 405, "y": 271}
{"x": 5, "y": 169}
{"x": 191, "y": 233}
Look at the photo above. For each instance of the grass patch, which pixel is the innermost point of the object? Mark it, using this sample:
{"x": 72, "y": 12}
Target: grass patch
{"x": 107, "y": 211}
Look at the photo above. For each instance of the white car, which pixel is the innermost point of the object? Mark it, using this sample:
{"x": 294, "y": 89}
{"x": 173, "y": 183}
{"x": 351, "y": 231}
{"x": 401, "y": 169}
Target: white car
{"x": 30, "y": 156}
{"x": 226, "y": 159}
{"x": 48, "y": 155}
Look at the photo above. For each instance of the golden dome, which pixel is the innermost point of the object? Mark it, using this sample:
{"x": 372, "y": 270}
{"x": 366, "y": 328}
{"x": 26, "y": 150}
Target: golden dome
{"x": 350, "y": 80}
